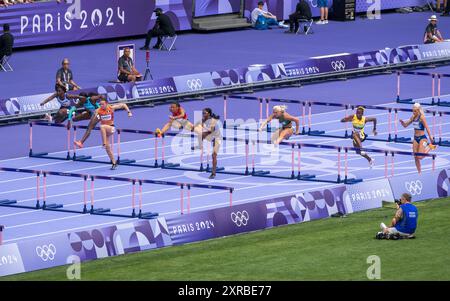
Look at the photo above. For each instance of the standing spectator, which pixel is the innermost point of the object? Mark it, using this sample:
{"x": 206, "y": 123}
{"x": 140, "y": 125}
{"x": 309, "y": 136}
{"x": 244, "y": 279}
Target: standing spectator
{"x": 127, "y": 71}
{"x": 263, "y": 19}
{"x": 438, "y": 5}
{"x": 432, "y": 34}
{"x": 323, "y": 4}
{"x": 446, "y": 9}
{"x": 64, "y": 77}
{"x": 302, "y": 11}
{"x": 6, "y": 42}
{"x": 163, "y": 27}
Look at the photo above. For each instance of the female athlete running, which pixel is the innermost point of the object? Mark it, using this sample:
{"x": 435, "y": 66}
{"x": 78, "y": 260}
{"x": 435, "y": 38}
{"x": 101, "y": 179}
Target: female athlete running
{"x": 178, "y": 119}
{"x": 105, "y": 115}
{"x": 420, "y": 143}
{"x": 89, "y": 104}
{"x": 359, "y": 121}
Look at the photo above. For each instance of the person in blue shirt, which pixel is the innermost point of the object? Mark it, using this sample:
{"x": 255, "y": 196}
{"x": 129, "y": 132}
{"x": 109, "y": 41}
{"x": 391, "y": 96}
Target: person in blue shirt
{"x": 404, "y": 222}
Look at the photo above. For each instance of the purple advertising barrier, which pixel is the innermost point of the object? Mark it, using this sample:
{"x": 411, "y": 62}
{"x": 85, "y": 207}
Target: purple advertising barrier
{"x": 368, "y": 195}
{"x": 215, "y": 7}
{"x": 202, "y": 82}
{"x": 119, "y": 239}
{"x": 81, "y": 20}
{"x": 10, "y": 260}
{"x": 421, "y": 187}
{"x": 192, "y": 227}
{"x": 443, "y": 183}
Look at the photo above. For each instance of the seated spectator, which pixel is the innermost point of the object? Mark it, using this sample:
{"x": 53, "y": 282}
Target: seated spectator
{"x": 302, "y": 11}
{"x": 64, "y": 77}
{"x": 127, "y": 71}
{"x": 263, "y": 19}
{"x": 163, "y": 27}
{"x": 6, "y": 42}
{"x": 432, "y": 34}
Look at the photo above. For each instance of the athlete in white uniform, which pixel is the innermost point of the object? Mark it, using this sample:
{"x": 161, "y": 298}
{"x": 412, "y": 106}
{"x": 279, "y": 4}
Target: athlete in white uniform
{"x": 65, "y": 101}
{"x": 209, "y": 130}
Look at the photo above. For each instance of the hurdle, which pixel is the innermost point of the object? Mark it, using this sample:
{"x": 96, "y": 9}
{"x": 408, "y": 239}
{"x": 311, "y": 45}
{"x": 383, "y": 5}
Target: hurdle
{"x": 306, "y": 107}
{"x": 88, "y": 191}
{"x": 435, "y": 88}
{"x": 1, "y": 234}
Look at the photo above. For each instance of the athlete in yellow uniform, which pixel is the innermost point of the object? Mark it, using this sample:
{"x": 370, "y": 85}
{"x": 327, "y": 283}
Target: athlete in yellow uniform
{"x": 358, "y": 135}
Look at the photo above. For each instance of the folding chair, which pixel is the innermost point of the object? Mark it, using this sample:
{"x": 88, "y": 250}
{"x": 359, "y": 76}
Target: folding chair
{"x": 307, "y": 25}
{"x": 4, "y": 64}
{"x": 168, "y": 42}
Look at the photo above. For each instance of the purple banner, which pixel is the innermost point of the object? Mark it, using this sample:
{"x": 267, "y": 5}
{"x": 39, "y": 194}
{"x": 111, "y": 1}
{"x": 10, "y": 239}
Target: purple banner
{"x": 10, "y": 260}
{"x": 422, "y": 187}
{"x": 366, "y": 5}
{"x": 81, "y": 20}
{"x": 215, "y": 7}
{"x": 202, "y": 82}
{"x": 368, "y": 195}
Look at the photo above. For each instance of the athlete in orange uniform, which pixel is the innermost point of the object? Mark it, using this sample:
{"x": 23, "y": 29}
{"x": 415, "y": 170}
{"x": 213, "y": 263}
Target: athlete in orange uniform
{"x": 105, "y": 115}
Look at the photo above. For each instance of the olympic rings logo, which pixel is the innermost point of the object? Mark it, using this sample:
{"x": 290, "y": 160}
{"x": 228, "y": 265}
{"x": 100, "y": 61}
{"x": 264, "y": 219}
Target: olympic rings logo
{"x": 414, "y": 187}
{"x": 240, "y": 218}
{"x": 338, "y": 65}
{"x": 313, "y": 3}
{"x": 46, "y": 252}
{"x": 194, "y": 84}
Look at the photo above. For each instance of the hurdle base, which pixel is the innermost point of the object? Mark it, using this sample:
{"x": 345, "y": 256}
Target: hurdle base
{"x": 100, "y": 211}
{"x": 406, "y": 100}
{"x": 7, "y": 202}
{"x": 444, "y": 143}
{"x": 38, "y": 154}
{"x": 352, "y": 181}
{"x": 170, "y": 165}
{"x": 316, "y": 133}
{"x": 305, "y": 177}
{"x": 81, "y": 158}
{"x": 148, "y": 215}
{"x": 125, "y": 161}
{"x": 260, "y": 172}
{"x": 51, "y": 206}
{"x": 402, "y": 139}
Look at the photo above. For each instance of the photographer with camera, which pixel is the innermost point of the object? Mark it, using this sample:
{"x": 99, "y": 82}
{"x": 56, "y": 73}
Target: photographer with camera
{"x": 404, "y": 223}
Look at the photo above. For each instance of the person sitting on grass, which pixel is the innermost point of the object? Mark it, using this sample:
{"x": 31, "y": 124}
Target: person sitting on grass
{"x": 404, "y": 223}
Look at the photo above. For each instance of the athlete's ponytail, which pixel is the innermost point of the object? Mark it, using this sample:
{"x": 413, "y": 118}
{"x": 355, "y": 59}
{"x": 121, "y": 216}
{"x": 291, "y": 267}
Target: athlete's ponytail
{"x": 211, "y": 113}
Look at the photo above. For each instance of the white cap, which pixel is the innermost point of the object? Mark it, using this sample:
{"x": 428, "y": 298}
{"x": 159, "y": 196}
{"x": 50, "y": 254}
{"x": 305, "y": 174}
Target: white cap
{"x": 433, "y": 18}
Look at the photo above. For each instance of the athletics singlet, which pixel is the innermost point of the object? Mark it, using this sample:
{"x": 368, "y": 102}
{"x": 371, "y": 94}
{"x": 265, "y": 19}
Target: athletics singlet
{"x": 178, "y": 113}
{"x": 358, "y": 125}
{"x": 106, "y": 116}
{"x": 285, "y": 124}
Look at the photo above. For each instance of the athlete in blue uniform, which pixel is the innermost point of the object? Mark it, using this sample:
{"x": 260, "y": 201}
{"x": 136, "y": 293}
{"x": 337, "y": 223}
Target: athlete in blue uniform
{"x": 65, "y": 101}
{"x": 89, "y": 103}
{"x": 420, "y": 143}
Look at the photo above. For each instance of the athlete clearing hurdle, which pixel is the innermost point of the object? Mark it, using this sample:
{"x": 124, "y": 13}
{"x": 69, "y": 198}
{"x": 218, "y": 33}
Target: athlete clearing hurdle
{"x": 89, "y": 104}
{"x": 65, "y": 100}
{"x": 358, "y": 135}
{"x": 208, "y": 129}
{"x": 178, "y": 119}
{"x": 285, "y": 120}
{"x": 105, "y": 115}
{"x": 420, "y": 143}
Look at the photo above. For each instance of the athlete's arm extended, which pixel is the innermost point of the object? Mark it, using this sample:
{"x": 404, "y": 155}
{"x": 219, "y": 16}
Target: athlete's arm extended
{"x": 407, "y": 123}
{"x": 347, "y": 119}
{"x": 266, "y": 122}
{"x": 48, "y": 99}
{"x": 122, "y": 106}
{"x": 374, "y": 120}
